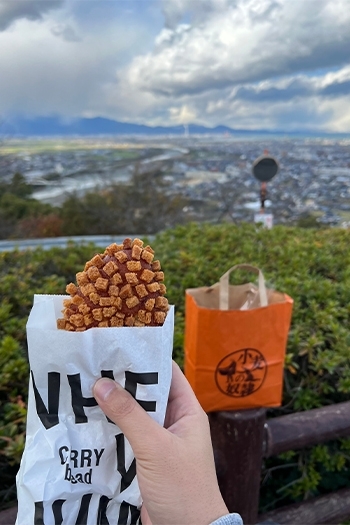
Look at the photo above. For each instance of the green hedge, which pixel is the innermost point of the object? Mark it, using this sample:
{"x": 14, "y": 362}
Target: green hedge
{"x": 312, "y": 266}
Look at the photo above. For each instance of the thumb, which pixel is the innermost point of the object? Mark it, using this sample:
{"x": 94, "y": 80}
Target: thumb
{"x": 137, "y": 426}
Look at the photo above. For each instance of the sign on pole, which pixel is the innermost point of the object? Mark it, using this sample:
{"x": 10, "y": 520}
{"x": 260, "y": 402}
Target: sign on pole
{"x": 264, "y": 218}
{"x": 265, "y": 168}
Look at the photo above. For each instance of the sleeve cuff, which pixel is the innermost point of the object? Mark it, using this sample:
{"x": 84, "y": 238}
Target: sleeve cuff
{"x": 229, "y": 519}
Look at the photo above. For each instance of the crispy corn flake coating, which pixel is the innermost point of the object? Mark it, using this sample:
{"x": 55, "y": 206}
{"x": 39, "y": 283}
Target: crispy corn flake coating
{"x": 120, "y": 287}
{"x": 93, "y": 274}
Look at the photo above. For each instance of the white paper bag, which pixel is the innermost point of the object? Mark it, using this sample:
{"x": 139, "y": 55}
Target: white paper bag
{"x": 77, "y": 468}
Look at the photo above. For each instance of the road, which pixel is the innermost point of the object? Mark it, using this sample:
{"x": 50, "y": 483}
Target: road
{"x": 63, "y": 242}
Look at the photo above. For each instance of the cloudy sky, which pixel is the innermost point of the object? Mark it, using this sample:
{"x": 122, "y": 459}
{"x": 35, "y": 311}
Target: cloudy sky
{"x": 272, "y": 64}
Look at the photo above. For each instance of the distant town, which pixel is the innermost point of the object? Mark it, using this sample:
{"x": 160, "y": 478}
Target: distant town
{"x": 213, "y": 172}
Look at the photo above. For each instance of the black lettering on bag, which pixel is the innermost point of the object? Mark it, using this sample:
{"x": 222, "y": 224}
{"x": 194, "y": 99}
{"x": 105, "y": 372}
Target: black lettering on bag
{"x": 84, "y": 510}
{"x": 98, "y": 455}
{"x": 132, "y": 379}
{"x": 101, "y": 513}
{"x": 57, "y": 511}
{"x": 39, "y": 513}
{"x": 125, "y": 508}
{"x": 127, "y": 476}
{"x": 48, "y": 416}
{"x": 61, "y": 451}
{"x": 82, "y": 515}
{"x": 108, "y": 373}
{"x": 74, "y": 457}
{"x": 78, "y": 400}
{"x": 85, "y": 457}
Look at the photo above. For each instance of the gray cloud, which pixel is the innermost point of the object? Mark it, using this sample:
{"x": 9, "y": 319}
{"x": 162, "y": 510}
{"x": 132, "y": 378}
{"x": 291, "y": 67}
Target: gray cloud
{"x": 243, "y": 41}
{"x": 11, "y": 10}
{"x": 295, "y": 88}
{"x": 175, "y": 10}
{"x": 337, "y": 89}
{"x": 46, "y": 69}
{"x": 264, "y": 11}
{"x": 302, "y": 88}
{"x": 243, "y": 63}
{"x": 66, "y": 32}
{"x": 302, "y": 102}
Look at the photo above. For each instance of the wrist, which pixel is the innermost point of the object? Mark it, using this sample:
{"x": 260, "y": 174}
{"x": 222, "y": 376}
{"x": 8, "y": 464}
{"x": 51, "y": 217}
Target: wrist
{"x": 214, "y": 511}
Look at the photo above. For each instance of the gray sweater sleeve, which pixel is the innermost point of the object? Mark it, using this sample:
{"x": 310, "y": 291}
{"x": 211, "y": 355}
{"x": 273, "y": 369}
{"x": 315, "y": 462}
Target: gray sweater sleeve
{"x": 229, "y": 519}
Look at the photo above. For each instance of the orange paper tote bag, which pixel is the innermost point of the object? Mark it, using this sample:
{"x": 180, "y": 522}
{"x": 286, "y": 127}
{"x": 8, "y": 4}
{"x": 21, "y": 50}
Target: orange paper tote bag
{"x": 235, "y": 342}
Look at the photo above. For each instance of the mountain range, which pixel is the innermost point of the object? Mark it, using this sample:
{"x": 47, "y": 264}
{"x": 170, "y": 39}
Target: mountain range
{"x": 56, "y": 126}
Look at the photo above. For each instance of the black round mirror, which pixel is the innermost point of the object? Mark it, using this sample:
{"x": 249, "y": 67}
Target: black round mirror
{"x": 265, "y": 168}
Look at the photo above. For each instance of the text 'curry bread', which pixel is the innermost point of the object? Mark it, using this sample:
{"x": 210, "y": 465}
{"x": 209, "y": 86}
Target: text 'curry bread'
{"x": 120, "y": 287}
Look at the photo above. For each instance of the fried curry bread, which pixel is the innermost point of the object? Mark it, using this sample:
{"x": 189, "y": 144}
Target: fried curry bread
{"x": 121, "y": 287}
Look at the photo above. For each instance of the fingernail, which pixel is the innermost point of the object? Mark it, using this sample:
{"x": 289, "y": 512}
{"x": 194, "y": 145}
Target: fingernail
{"x": 103, "y": 388}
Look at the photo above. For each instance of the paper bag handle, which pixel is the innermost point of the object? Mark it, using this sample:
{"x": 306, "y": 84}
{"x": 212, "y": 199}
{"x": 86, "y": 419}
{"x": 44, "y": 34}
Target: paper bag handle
{"x": 224, "y": 285}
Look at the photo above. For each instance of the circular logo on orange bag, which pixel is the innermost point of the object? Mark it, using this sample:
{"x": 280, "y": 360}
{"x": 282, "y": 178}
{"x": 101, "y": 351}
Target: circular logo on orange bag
{"x": 241, "y": 373}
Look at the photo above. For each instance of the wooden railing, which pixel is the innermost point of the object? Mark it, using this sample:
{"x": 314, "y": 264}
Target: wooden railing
{"x": 243, "y": 438}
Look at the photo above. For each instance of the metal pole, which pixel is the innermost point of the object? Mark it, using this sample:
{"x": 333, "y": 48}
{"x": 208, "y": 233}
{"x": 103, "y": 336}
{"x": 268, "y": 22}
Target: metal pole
{"x": 263, "y": 196}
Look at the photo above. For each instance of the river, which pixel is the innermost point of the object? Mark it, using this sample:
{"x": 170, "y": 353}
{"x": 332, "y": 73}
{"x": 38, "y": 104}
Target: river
{"x": 55, "y": 192}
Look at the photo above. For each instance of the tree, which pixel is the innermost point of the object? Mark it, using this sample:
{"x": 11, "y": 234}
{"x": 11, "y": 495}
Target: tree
{"x": 19, "y": 186}
{"x": 16, "y": 205}
{"x": 37, "y": 227}
{"x": 143, "y": 206}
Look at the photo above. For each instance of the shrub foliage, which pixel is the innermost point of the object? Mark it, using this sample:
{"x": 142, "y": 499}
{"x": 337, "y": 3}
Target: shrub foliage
{"x": 312, "y": 266}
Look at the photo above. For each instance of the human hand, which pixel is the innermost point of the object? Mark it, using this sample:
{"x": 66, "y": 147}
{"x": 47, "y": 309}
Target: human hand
{"x": 175, "y": 464}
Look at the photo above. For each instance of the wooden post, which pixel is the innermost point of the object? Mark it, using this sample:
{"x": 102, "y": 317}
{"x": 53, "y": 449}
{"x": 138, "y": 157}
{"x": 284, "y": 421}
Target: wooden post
{"x": 238, "y": 450}
{"x": 8, "y": 516}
